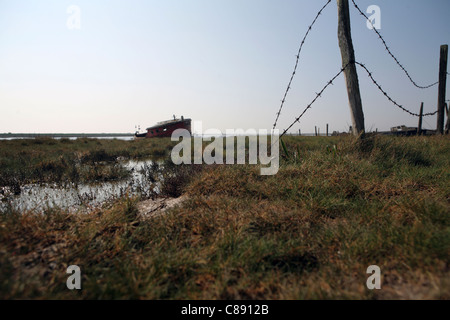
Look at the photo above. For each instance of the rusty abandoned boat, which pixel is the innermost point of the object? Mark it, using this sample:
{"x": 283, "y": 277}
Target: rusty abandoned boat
{"x": 165, "y": 128}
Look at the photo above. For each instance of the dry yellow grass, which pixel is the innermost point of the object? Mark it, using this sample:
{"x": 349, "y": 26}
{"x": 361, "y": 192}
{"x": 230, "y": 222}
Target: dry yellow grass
{"x": 309, "y": 232}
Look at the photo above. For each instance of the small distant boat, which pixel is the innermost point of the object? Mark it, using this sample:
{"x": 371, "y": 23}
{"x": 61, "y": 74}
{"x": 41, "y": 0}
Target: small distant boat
{"x": 165, "y": 128}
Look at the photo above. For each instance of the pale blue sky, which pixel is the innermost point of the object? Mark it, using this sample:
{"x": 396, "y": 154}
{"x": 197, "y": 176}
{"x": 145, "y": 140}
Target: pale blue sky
{"x": 223, "y": 62}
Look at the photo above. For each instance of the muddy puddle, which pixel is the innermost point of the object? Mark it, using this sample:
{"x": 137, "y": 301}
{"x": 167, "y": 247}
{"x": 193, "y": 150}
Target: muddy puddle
{"x": 72, "y": 197}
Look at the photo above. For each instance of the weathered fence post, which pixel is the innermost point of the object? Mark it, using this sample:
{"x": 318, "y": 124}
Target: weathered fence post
{"x": 348, "y": 59}
{"x": 316, "y": 130}
{"x": 327, "y": 129}
{"x": 419, "y": 127}
{"x": 442, "y": 87}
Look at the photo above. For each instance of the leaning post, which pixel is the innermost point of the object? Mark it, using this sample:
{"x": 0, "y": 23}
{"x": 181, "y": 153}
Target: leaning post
{"x": 348, "y": 62}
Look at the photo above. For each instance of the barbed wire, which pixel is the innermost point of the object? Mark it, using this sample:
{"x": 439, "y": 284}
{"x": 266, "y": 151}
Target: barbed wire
{"x": 318, "y": 95}
{"x": 390, "y": 53}
{"x": 388, "y": 97}
{"x": 297, "y": 61}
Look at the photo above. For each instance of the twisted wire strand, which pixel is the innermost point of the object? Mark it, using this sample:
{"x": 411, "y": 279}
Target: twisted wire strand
{"x": 389, "y": 97}
{"x": 318, "y": 95}
{"x": 390, "y": 53}
{"x": 297, "y": 62}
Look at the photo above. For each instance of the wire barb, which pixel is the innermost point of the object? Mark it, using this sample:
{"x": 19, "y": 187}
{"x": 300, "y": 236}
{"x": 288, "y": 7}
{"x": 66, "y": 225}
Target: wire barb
{"x": 388, "y": 97}
{"x": 297, "y": 61}
{"x": 318, "y": 95}
{"x": 390, "y": 53}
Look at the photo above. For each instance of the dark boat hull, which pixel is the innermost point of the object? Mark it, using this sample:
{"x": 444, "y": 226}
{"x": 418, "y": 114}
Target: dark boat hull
{"x": 165, "y": 129}
{"x": 140, "y": 135}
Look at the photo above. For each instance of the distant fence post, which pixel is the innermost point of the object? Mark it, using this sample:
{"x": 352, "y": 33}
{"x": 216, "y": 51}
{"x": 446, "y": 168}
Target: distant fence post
{"x": 316, "y": 130}
{"x": 419, "y": 127}
{"x": 348, "y": 59}
{"x": 327, "y": 129}
{"x": 442, "y": 87}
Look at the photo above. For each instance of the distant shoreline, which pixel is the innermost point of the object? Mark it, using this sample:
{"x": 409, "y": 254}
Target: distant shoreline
{"x": 65, "y": 135}
{"x": 129, "y": 135}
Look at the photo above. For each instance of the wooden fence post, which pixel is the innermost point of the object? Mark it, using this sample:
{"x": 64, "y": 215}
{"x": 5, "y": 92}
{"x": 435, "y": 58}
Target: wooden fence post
{"x": 442, "y": 87}
{"x": 419, "y": 127}
{"x": 316, "y": 130}
{"x": 327, "y": 129}
{"x": 348, "y": 59}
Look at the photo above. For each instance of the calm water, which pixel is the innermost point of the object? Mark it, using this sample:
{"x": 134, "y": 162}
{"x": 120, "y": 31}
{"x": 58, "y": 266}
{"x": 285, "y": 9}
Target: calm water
{"x": 74, "y": 197}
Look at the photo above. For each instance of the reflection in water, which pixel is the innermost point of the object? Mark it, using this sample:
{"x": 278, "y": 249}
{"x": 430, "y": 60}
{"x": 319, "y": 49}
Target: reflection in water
{"x": 75, "y": 197}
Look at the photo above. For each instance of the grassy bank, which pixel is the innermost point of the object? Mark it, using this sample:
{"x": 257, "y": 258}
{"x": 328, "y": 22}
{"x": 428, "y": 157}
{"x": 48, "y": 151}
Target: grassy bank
{"x": 310, "y": 232}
